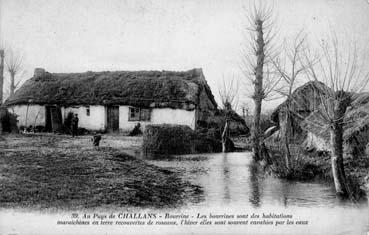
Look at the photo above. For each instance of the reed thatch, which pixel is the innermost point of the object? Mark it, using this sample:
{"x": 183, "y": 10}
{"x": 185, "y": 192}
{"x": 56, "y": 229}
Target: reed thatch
{"x": 356, "y": 124}
{"x": 303, "y": 101}
{"x": 140, "y": 88}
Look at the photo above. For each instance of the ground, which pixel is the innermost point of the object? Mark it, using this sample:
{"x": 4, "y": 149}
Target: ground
{"x": 58, "y": 171}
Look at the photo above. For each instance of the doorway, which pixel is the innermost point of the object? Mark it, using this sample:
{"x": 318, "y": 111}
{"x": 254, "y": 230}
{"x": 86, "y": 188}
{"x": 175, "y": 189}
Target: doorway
{"x": 113, "y": 118}
{"x": 53, "y": 118}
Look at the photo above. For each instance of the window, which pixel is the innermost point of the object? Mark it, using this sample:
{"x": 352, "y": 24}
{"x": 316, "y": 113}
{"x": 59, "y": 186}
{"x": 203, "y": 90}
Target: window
{"x": 88, "y": 111}
{"x": 139, "y": 114}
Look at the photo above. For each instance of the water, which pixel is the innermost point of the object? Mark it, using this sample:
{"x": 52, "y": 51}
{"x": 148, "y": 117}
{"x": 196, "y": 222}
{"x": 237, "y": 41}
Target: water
{"x": 231, "y": 182}
{"x": 233, "y": 179}
{"x": 231, "y": 185}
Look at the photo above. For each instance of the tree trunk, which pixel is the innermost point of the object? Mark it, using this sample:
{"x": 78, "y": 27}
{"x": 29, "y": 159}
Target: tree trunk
{"x": 286, "y": 140}
{"x": 337, "y": 159}
{"x": 342, "y": 101}
{"x": 12, "y": 84}
{"x": 258, "y": 90}
{"x": 224, "y": 137}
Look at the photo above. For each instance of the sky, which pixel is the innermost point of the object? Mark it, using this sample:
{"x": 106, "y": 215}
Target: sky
{"x": 99, "y": 35}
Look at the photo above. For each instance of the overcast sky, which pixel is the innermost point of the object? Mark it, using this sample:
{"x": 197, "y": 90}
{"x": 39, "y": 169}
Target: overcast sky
{"x": 96, "y": 35}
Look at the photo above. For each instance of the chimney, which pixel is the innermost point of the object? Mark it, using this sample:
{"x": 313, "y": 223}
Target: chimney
{"x": 38, "y": 72}
{"x": 1, "y": 75}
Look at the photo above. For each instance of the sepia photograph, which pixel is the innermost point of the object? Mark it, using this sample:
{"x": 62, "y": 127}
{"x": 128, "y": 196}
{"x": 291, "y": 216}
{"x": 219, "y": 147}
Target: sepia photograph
{"x": 184, "y": 117}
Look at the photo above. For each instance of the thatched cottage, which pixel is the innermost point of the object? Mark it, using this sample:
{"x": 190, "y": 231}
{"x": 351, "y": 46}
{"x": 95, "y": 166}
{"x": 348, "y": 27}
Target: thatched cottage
{"x": 308, "y": 127}
{"x": 356, "y": 127}
{"x": 113, "y": 101}
{"x": 303, "y": 101}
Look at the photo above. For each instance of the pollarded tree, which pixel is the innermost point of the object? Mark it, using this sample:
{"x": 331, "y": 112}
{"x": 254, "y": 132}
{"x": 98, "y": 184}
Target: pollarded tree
{"x": 228, "y": 93}
{"x": 341, "y": 67}
{"x": 14, "y": 63}
{"x": 256, "y": 64}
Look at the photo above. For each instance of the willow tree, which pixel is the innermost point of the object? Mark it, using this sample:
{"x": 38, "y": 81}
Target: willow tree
{"x": 14, "y": 63}
{"x": 256, "y": 62}
{"x": 228, "y": 93}
{"x": 342, "y": 67}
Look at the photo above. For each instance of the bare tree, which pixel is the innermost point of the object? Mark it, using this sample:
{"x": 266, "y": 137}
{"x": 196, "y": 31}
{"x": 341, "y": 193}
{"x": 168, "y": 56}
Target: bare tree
{"x": 14, "y": 63}
{"x": 245, "y": 110}
{"x": 228, "y": 93}
{"x": 290, "y": 69}
{"x": 1, "y": 76}
{"x": 343, "y": 69}
{"x": 256, "y": 64}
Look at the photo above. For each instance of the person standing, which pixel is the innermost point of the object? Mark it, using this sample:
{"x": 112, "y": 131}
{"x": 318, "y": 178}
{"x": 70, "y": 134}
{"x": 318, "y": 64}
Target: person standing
{"x": 75, "y": 125}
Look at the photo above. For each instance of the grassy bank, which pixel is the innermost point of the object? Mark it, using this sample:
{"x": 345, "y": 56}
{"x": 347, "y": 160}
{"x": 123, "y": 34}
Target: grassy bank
{"x": 55, "y": 171}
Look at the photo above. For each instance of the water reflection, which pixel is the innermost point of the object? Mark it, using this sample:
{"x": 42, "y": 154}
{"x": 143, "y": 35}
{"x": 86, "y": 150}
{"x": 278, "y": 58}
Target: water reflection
{"x": 235, "y": 180}
{"x": 226, "y": 178}
{"x": 255, "y": 190}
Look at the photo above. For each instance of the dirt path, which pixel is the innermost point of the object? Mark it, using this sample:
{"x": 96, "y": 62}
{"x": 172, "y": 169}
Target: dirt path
{"x": 56, "y": 171}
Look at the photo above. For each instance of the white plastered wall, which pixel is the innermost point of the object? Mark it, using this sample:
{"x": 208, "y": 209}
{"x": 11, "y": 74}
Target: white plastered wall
{"x": 29, "y": 115}
{"x": 96, "y": 120}
{"x": 158, "y": 116}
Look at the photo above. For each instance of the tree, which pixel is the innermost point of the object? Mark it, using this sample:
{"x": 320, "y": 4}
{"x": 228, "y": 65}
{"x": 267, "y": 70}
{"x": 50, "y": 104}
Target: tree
{"x": 228, "y": 94}
{"x": 256, "y": 65}
{"x": 290, "y": 69}
{"x": 14, "y": 63}
{"x": 343, "y": 69}
{"x": 1, "y": 76}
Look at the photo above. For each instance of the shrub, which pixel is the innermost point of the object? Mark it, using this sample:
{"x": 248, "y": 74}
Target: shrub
{"x": 39, "y": 128}
{"x": 168, "y": 139}
{"x": 302, "y": 166}
{"x": 178, "y": 139}
{"x": 136, "y": 130}
{"x": 83, "y": 131}
{"x": 8, "y": 120}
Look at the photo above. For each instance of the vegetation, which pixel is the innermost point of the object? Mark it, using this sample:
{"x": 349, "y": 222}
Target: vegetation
{"x": 178, "y": 139}
{"x": 228, "y": 95}
{"x": 1, "y": 75}
{"x": 256, "y": 65}
{"x": 8, "y": 121}
{"x": 72, "y": 174}
{"x": 343, "y": 72}
{"x": 290, "y": 69}
{"x": 14, "y": 65}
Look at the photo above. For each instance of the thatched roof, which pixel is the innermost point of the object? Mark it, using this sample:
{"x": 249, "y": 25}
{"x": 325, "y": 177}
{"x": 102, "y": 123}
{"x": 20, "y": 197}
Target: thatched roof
{"x": 316, "y": 124}
{"x": 142, "y": 88}
{"x": 356, "y": 119}
{"x": 357, "y": 116}
{"x": 302, "y": 98}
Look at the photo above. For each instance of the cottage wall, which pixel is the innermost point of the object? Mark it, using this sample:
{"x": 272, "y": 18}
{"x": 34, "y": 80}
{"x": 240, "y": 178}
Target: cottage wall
{"x": 158, "y": 116}
{"x": 97, "y": 118}
{"x": 28, "y": 115}
{"x": 95, "y": 121}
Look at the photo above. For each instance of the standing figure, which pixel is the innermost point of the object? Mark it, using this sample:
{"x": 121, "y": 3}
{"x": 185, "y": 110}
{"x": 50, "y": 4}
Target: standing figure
{"x": 96, "y": 140}
{"x": 75, "y": 125}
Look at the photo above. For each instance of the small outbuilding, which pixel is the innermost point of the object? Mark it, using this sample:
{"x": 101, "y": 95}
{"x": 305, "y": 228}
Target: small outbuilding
{"x": 303, "y": 101}
{"x": 113, "y": 101}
